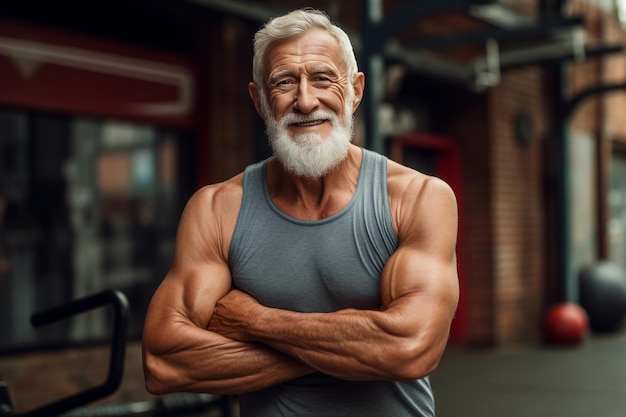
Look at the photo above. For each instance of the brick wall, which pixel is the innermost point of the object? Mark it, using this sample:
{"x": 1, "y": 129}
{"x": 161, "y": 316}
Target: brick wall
{"x": 463, "y": 117}
{"x": 507, "y": 227}
{"x": 503, "y": 215}
{"x": 471, "y": 129}
{"x": 518, "y": 218}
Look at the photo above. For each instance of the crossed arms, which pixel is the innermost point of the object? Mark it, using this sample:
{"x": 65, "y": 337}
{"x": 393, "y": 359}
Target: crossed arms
{"x": 200, "y": 336}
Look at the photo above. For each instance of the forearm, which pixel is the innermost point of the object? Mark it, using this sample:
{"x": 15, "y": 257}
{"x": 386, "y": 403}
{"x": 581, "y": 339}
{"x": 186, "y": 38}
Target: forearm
{"x": 349, "y": 344}
{"x": 325, "y": 343}
{"x": 403, "y": 340}
{"x": 196, "y": 360}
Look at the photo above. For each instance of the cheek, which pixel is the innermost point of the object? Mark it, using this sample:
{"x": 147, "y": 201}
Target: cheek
{"x": 279, "y": 98}
{"x": 278, "y": 104}
{"x": 337, "y": 95}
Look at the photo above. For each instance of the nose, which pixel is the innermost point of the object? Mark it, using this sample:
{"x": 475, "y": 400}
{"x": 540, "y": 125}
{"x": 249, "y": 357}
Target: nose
{"x": 306, "y": 99}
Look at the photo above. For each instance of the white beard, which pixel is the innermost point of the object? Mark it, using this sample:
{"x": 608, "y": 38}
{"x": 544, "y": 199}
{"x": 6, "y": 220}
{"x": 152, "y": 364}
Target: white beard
{"x": 310, "y": 155}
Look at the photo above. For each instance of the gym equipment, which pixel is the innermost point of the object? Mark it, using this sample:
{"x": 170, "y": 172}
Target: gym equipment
{"x": 116, "y": 361}
{"x": 603, "y": 295}
{"x": 566, "y": 324}
{"x": 168, "y": 405}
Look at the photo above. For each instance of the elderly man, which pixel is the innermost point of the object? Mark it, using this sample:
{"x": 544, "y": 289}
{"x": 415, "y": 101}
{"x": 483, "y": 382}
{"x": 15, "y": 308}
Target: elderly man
{"x": 319, "y": 282}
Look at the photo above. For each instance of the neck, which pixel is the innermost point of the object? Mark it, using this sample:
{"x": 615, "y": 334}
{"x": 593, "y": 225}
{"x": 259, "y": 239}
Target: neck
{"x": 317, "y": 198}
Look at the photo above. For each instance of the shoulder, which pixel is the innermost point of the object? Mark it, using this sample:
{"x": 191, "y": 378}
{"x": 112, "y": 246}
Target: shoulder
{"x": 211, "y": 213}
{"x": 220, "y": 197}
{"x": 405, "y": 182}
{"x": 418, "y": 200}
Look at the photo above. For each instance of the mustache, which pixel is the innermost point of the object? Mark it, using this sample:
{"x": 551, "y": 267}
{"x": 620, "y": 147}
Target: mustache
{"x": 292, "y": 118}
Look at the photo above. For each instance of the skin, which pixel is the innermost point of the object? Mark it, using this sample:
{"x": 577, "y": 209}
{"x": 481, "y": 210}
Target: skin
{"x": 200, "y": 336}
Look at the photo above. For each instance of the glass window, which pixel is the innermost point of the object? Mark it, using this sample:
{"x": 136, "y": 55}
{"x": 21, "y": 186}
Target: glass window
{"x": 582, "y": 197}
{"x": 85, "y": 205}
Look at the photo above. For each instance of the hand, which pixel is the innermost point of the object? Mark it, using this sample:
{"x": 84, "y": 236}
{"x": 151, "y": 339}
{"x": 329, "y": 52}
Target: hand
{"x": 231, "y": 315}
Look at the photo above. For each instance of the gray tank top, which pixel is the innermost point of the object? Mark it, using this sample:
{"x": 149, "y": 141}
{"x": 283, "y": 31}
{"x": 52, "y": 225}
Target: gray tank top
{"x": 321, "y": 266}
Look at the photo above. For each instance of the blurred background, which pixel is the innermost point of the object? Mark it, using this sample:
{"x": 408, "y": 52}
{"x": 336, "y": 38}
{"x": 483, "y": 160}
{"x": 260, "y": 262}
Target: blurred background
{"x": 112, "y": 113}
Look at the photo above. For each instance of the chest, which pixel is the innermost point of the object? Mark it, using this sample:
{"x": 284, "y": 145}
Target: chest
{"x": 307, "y": 268}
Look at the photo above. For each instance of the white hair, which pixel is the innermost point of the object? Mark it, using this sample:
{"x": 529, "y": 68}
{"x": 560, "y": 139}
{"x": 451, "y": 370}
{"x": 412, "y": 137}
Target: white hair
{"x": 293, "y": 25}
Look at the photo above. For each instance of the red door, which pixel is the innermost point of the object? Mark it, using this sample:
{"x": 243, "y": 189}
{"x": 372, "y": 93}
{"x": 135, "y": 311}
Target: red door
{"x": 438, "y": 156}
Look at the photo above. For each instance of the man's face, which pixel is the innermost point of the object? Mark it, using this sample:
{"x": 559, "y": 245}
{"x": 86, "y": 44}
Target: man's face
{"x": 309, "y": 104}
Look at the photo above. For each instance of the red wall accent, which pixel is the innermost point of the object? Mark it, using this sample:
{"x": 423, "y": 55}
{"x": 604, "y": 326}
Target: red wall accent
{"x": 449, "y": 168}
{"x": 54, "y": 70}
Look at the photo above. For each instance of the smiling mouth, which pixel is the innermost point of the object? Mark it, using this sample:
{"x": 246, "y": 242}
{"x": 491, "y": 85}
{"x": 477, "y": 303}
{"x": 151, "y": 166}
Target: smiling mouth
{"x": 311, "y": 123}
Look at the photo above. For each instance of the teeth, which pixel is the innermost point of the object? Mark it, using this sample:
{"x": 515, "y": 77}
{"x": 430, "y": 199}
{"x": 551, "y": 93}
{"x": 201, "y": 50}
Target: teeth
{"x": 311, "y": 123}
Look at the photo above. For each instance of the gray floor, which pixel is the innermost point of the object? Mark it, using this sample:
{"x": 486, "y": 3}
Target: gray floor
{"x": 585, "y": 381}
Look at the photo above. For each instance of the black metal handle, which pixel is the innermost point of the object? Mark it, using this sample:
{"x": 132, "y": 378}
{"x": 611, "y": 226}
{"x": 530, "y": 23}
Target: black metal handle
{"x": 118, "y": 349}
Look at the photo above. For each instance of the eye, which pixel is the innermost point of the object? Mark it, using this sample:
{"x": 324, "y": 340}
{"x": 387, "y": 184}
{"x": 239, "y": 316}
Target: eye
{"x": 284, "y": 84}
{"x": 321, "y": 81}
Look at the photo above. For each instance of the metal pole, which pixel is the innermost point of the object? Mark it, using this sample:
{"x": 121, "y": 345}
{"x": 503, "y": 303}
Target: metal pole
{"x": 569, "y": 288}
{"x": 374, "y": 75}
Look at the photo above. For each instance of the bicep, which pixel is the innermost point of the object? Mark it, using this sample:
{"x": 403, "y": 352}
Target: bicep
{"x": 420, "y": 279}
{"x": 199, "y": 275}
{"x": 188, "y": 296}
{"x": 182, "y": 305}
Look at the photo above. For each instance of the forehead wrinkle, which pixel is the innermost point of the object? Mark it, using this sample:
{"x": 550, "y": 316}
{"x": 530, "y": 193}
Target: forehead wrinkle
{"x": 313, "y": 70}
{"x": 317, "y": 47}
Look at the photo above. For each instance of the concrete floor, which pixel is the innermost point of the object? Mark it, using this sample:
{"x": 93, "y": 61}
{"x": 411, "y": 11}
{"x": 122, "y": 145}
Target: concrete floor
{"x": 585, "y": 381}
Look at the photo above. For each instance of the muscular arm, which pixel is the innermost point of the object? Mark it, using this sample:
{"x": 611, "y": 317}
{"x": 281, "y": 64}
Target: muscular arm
{"x": 179, "y": 354}
{"x": 419, "y": 289}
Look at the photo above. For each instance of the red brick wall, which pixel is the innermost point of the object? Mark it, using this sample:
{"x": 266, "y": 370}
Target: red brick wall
{"x": 506, "y": 210}
{"x": 464, "y": 118}
{"x": 477, "y": 221}
{"x": 503, "y": 214}
{"x": 518, "y": 217}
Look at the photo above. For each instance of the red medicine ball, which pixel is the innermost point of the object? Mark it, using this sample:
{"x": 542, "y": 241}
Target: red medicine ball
{"x": 567, "y": 324}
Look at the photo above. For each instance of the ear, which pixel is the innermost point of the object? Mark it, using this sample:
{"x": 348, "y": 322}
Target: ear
{"x": 254, "y": 95}
{"x": 359, "y": 87}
